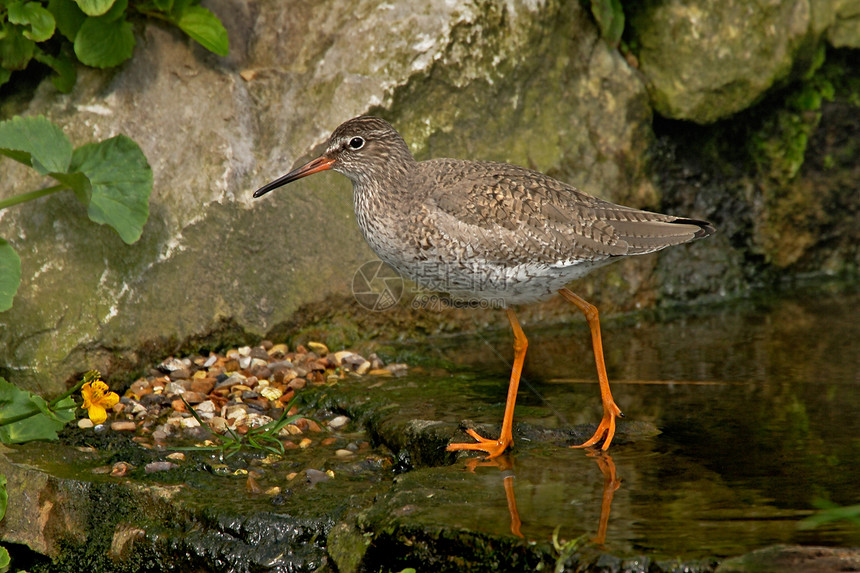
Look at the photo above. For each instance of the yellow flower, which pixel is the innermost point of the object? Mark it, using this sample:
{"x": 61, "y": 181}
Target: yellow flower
{"x": 97, "y": 398}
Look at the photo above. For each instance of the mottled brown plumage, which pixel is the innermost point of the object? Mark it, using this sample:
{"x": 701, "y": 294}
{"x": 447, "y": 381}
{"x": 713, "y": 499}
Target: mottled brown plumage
{"x": 488, "y": 231}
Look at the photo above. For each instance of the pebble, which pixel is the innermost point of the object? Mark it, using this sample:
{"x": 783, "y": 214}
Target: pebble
{"x": 237, "y": 390}
{"x": 121, "y": 469}
{"x": 316, "y": 476}
{"x": 153, "y": 467}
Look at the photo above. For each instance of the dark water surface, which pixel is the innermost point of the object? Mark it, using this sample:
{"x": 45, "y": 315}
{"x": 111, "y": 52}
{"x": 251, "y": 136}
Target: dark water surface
{"x": 758, "y": 405}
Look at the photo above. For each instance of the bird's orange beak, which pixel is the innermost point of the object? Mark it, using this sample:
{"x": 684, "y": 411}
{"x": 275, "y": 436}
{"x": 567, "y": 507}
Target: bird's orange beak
{"x": 321, "y": 163}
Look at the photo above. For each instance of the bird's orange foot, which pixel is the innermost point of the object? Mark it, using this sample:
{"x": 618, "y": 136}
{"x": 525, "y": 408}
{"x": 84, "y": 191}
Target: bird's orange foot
{"x": 606, "y": 427}
{"x": 493, "y": 448}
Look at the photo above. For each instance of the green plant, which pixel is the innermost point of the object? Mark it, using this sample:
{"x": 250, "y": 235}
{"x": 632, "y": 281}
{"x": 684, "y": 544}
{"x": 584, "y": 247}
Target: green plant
{"x": 96, "y": 33}
{"x": 264, "y": 438}
{"x": 5, "y": 560}
{"x": 609, "y": 15}
{"x": 829, "y": 513}
{"x": 25, "y": 416}
{"x": 111, "y": 177}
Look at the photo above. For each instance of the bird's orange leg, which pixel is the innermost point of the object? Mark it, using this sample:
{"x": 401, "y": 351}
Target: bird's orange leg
{"x": 495, "y": 448}
{"x": 610, "y": 409}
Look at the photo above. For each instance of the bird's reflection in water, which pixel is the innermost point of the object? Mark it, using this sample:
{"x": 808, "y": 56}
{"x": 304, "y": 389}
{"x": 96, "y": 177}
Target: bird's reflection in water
{"x": 505, "y": 464}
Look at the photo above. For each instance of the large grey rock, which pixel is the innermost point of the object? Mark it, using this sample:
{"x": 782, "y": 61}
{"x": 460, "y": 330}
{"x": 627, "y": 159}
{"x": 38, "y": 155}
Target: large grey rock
{"x": 705, "y": 61}
{"x": 525, "y": 82}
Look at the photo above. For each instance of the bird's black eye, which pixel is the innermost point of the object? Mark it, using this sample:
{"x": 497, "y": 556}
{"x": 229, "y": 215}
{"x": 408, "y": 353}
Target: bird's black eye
{"x": 356, "y": 142}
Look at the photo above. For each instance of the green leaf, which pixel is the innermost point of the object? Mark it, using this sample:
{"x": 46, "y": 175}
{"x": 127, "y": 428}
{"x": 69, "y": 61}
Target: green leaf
{"x": 4, "y": 75}
{"x": 5, "y": 560}
{"x": 68, "y": 16}
{"x": 204, "y": 27}
{"x": 77, "y": 182}
{"x": 4, "y": 496}
{"x": 104, "y": 44}
{"x": 95, "y": 7}
{"x": 32, "y": 14}
{"x": 121, "y": 180}
{"x": 36, "y": 142}
{"x": 164, "y": 5}
{"x": 16, "y": 51}
{"x": 64, "y": 66}
{"x": 15, "y": 402}
{"x": 610, "y": 18}
{"x": 10, "y": 274}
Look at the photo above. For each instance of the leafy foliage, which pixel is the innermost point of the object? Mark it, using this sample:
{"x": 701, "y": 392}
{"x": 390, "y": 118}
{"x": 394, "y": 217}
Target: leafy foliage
{"x": 111, "y": 177}
{"x": 28, "y": 417}
{"x": 5, "y": 560}
{"x": 609, "y": 15}
{"x": 97, "y": 33}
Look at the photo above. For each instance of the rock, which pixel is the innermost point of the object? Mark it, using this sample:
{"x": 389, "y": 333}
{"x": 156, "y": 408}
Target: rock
{"x": 316, "y": 476}
{"x": 123, "y": 426}
{"x": 180, "y": 374}
{"x": 707, "y": 61}
{"x": 174, "y": 388}
{"x": 338, "y": 422}
{"x": 194, "y": 397}
{"x": 154, "y": 467}
{"x": 85, "y": 423}
{"x": 318, "y": 347}
{"x": 171, "y": 365}
{"x": 202, "y": 385}
{"x": 793, "y": 559}
{"x": 342, "y": 453}
{"x": 121, "y": 469}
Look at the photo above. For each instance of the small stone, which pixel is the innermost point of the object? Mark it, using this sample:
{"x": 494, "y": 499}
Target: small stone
{"x": 292, "y": 475}
{"x": 174, "y": 388}
{"x": 318, "y": 347}
{"x": 328, "y": 441}
{"x": 338, "y": 422}
{"x": 271, "y": 392}
{"x": 297, "y": 384}
{"x": 180, "y": 374}
{"x": 316, "y": 476}
{"x": 343, "y": 453}
{"x": 266, "y": 344}
{"x": 273, "y": 491}
{"x": 176, "y": 457}
{"x": 121, "y": 469}
{"x": 213, "y": 358}
{"x": 206, "y": 407}
{"x": 278, "y": 350}
{"x": 123, "y": 426}
{"x": 363, "y": 368}
{"x": 202, "y": 385}
{"x": 194, "y": 397}
{"x": 85, "y": 423}
{"x": 170, "y": 365}
{"x": 153, "y": 467}
{"x": 305, "y": 443}
{"x": 260, "y": 353}
{"x": 244, "y": 351}
{"x": 140, "y": 388}
{"x": 245, "y": 362}
{"x": 190, "y": 423}
{"x": 218, "y": 424}
{"x": 397, "y": 369}
{"x": 341, "y": 355}
{"x": 380, "y": 372}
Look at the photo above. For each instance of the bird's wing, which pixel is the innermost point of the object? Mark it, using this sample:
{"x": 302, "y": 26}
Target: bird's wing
{"x": 506, "y": 209}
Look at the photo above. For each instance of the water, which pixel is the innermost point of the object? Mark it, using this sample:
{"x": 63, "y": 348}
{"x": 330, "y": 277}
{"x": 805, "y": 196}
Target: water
{"x": 757, "y": 406}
